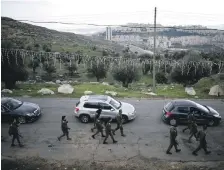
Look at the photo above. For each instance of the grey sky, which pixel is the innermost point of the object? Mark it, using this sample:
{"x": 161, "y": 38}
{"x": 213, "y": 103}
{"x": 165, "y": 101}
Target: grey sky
{"x": 172, "y": 12}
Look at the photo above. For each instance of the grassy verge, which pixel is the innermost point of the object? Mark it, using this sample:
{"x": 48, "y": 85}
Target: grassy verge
{"x": 166, "y": 91}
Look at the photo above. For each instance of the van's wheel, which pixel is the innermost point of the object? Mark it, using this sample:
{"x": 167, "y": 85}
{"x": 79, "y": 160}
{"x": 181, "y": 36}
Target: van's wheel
{"x": 84, "y": 118}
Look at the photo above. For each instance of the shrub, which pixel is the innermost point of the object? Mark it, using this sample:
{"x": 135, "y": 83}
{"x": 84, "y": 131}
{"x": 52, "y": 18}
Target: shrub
{"x": 161, "y": 78}
{"x": 126, "y": 73}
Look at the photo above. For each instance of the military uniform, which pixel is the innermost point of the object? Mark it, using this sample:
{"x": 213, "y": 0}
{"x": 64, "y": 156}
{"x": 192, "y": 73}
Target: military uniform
{"x": 96, "y": 117}
{"x": 14, "y": 128}
{"x": 99, "y": 128}
{"x": 119, "y": 123}
{"x": 202, "y": 142}
{"x": 108, "y": 132}
{"x": 64, "y": 128}
{"x": 194, "y": 131}
{"x": 173, "y": 142}
{"x": 191, "y": 120}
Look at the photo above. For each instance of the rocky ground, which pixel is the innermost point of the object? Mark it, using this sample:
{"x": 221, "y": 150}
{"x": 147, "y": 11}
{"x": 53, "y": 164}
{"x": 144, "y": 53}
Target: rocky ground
{"x": 137, "y": 163}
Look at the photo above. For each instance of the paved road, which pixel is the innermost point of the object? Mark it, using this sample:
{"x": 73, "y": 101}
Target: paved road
{"x": 147, "y": 136}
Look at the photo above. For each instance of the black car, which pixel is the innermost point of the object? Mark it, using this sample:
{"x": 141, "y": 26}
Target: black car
{"x": 178, "y": 110}
{"x": 24, "y": 112}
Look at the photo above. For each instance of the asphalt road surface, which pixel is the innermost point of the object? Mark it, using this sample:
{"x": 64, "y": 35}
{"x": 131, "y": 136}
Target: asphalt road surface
{"x": 147, "y": 136}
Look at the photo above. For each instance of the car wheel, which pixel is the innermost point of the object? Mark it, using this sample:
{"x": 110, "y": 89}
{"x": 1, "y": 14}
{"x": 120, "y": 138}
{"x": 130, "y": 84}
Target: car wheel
{"x": 211, "y": 123}
{"x": 84, "y": 118}
{"x": 21, "y": 119}
{"x": 172, "y": 121}
{"x": 124, "y": 119}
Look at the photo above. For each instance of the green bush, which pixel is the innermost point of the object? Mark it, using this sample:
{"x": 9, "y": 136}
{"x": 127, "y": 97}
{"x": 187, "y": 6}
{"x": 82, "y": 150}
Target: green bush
{"x": 161, "y": 78}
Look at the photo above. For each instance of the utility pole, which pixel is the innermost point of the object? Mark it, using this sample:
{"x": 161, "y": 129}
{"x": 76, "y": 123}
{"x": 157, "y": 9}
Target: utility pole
{"x": 154, "y": 55}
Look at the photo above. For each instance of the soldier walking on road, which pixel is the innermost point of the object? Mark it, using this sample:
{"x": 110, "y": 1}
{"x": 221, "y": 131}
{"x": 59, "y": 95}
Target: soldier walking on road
{"x": 108, "y": 131}
{"x": 97, "y": 115}
{"x": 99, "y": 128}
{"x": 119, "y": 123}
{"x": 173, "y": 141}
{"x": 191, "y": 119}
{"x": 194, "y": 131}
{"x": 64, "y": 128}
{"x": 202, "y": 141}
{"x": 14, "y": 131}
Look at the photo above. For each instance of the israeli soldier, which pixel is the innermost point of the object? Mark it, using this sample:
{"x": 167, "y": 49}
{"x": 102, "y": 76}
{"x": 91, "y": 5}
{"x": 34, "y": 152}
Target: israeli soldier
{"x": 173, "y": 141}
{"x": 202, "y": 141}
{"x": 191, "y": 119}
{"x": 14, "y": 131}
{"x": 64, "y": 128}
{"x": 97, "y": 115}
{"x": 119, "y": 123}
{"x": 108, "y": 131}
{"x": 99, "y": 128}
{"x": 194, "y": 131}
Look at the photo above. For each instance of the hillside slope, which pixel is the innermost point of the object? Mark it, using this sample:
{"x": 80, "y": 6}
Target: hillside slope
{"x": 27, "y": 36}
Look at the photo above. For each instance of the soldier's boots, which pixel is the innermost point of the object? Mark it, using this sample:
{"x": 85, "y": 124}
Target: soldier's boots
{"x": 208, "y": 152}
{"x": 20, "y": 145}
{"x": 194, "y": 153}
{"x": 103, "y": 136}
{"x": 168, "y": 152}
{"x": 69, "y": 138}
{"x": 107, "y": 143}
{"x": 178, "y": 150}
{"x": 123, "y": 135}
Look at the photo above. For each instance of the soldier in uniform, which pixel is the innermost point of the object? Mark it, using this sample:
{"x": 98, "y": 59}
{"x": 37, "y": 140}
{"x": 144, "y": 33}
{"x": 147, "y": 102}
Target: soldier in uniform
{"x": 64, "y": 128}
{"x": 14, "y": 131}
{"x": 97, "y": 115}
{"x": 108, "y": 131}
{"x": 173, "y": 141}
{"x": 194, "y": 131}
{"x": 202, "y": 141}
{"x": 191, "y": 119}
{"x": 119, "y": 123}
{"x": 99, "y": 128}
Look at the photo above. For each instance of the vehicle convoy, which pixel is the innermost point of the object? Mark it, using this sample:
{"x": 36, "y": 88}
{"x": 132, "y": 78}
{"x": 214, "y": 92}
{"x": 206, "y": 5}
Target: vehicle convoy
{"x": 24, "y": 112}
{"x": 86, "y": 108}
{"x": 178, "y": 110}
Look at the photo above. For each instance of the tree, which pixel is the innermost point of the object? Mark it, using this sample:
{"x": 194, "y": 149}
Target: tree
{"x": 161, "y": 78}
{"x": 71, "y": 68}
{"x": 34, "y": 64}
{"x": 191, "y": 71}
{"x": 98, "y": 68}
{"x": 47, "y": 47}
{"x": 146, "y": 64}
{"x": 13, "y": 69}
{"x": 126, "y": 73}
{"x": 50, "y": 69}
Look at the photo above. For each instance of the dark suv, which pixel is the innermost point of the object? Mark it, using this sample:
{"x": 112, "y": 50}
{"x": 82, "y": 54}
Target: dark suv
{"x": 178, "y": 110}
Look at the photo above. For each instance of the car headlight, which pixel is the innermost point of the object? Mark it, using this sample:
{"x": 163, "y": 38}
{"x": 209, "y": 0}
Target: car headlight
{"x": 30, "y": 114}
{"x": 217, "y": 116}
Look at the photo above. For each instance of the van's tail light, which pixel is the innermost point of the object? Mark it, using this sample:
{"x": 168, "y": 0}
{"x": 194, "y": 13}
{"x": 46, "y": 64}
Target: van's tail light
{"x": 168, "y": 114}
{"x": 76, "y": 109}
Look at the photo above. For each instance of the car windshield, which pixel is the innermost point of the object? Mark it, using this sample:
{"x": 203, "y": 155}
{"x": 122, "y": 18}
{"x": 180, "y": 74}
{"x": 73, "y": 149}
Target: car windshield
{"x": 202, "y": 108}
{"x": 115, "y": 103}
{"x": 13, "y": 104}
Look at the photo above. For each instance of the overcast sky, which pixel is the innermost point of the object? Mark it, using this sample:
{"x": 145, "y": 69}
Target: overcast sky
{"x": 170, "y": 12}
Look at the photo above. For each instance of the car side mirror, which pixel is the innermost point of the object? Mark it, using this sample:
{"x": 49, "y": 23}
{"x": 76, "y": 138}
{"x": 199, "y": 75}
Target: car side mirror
{"x": 112, "y": 109}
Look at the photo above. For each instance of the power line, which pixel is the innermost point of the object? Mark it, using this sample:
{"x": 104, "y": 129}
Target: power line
{"x": 113, "y": 25}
